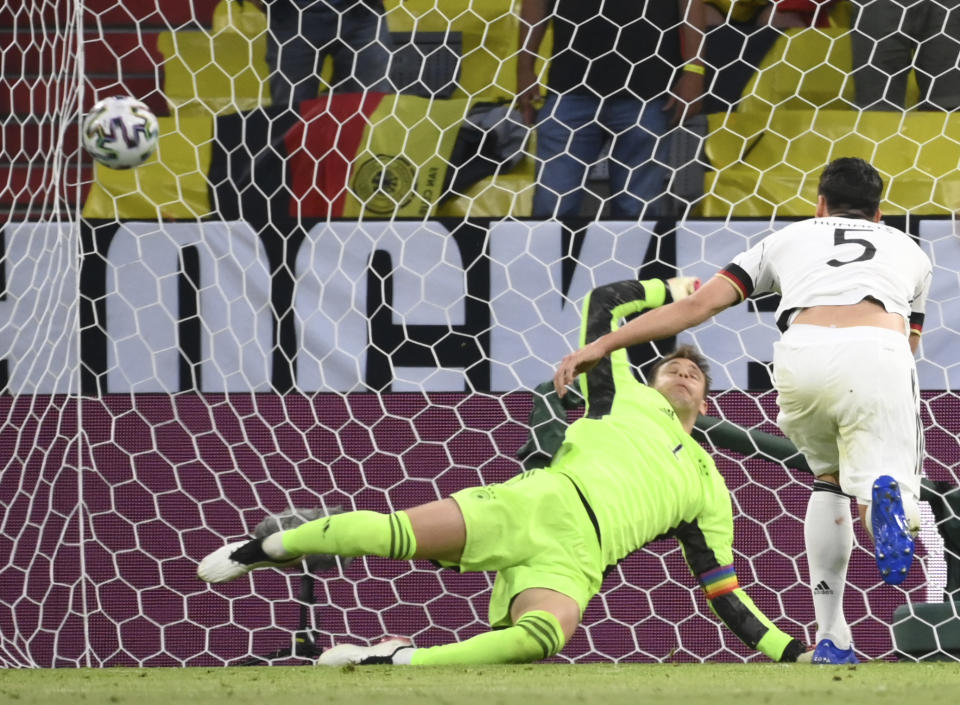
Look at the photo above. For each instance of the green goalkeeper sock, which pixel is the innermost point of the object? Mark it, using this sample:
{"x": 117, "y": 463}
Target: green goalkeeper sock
{"x": 353, "y": 534}
{"x": 536, "y": 635}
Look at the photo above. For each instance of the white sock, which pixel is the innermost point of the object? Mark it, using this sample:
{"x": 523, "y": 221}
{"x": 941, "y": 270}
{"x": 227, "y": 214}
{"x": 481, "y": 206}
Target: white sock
{"x": 828, "y": 536}
{"x": 911, "y": 510}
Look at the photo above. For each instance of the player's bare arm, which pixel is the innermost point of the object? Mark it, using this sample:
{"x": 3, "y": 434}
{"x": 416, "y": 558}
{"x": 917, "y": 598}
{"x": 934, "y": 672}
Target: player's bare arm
{"x": 709, "y": 300}
{"x": 914, "y": 342}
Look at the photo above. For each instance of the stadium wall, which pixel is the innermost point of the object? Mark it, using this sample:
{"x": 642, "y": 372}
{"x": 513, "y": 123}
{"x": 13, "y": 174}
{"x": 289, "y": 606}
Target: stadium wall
{"x": 370, "y": 306}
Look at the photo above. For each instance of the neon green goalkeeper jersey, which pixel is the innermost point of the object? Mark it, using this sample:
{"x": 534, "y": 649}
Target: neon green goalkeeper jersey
{"x": 645, "y": 478}
{"x": 642, "y": 474}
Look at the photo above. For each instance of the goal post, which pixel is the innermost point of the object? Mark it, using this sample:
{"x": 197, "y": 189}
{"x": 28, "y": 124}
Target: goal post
{"x": 349, "y": 306}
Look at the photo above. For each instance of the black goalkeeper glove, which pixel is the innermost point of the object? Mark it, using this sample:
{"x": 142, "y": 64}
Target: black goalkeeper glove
{"x": 792, "y": 651}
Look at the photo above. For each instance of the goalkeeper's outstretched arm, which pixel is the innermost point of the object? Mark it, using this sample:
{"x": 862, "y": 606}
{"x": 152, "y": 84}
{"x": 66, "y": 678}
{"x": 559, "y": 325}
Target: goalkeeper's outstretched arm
{"x": 734, "y": 607}
{"x": 603, "y": 309}
{"x": 707, "y": 544}
{"x": 667, "y": 320}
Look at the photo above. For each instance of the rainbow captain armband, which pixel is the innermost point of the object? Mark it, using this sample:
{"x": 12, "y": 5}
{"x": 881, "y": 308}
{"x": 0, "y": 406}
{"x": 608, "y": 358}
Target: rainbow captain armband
{"x": 719, "y": 581}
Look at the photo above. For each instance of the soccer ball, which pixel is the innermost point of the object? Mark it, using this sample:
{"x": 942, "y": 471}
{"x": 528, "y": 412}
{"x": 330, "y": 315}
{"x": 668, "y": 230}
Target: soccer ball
{"x": 120, "y": 132}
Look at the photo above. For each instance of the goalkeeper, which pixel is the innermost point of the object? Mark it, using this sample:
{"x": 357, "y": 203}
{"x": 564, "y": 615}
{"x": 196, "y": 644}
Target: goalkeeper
{"x": 627, "y": 473}
{"x": 853, "y": 295}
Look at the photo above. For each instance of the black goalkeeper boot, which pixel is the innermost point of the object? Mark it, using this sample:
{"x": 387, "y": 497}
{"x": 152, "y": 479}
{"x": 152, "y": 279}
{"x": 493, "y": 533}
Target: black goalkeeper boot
{"x": 237, "y": 559}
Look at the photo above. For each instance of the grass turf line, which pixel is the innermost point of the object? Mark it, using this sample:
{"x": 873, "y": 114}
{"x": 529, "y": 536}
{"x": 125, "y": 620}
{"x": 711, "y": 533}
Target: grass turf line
{"x": 608, "y": 684}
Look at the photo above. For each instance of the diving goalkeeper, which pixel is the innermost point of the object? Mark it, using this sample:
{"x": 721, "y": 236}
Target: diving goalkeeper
{"x": 627, "y": 473}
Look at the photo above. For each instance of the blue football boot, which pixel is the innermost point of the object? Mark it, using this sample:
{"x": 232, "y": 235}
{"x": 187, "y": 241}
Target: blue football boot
{"x": 892, "y": 538}
{"x": 827, "y": 653}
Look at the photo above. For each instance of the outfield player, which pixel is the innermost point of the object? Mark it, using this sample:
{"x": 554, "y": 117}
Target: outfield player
{"x": 853, "y": 295}
{"x": 626, "y": 474}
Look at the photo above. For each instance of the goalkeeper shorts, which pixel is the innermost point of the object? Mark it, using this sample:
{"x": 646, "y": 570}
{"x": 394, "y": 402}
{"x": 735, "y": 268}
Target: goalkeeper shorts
{"x": 534, "y": 530}
{"x": 849, "y": 400}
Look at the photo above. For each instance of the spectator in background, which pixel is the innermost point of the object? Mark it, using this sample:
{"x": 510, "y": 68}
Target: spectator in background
{"x": 304, "y": 32}
{"x": 740, "y": 33}
{"x": 738, "y": 36}
{"x": 797, "y": 13}
{"x": 891, "y": 37}
{"x": 623, "y": 70}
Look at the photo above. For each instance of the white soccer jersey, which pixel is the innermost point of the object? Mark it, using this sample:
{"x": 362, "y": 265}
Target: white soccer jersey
{"x": 836, "y": 261}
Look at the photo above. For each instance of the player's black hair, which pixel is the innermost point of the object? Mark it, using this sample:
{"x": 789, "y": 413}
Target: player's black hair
{"x": 685, "y": 352}
{"x": 851, "y": 187}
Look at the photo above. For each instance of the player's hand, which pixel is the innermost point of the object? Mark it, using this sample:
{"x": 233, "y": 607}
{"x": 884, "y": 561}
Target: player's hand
{"x": 682, "y": 287}
{"x": 576, "y": 363}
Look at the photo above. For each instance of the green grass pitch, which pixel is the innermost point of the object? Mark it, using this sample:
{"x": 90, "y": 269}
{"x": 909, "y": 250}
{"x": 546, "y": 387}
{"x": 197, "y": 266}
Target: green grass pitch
{"x": 605, "y": 684}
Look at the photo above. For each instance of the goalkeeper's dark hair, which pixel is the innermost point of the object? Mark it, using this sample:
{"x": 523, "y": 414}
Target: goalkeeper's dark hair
{"x": 685, "y": 352}
{"x": 852, "y": 187}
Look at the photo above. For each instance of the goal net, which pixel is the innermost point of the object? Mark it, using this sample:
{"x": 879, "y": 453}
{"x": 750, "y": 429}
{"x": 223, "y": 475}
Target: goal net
{"x": 347, "y": 304}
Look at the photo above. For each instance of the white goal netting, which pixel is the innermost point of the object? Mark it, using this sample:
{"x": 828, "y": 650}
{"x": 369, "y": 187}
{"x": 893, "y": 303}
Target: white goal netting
{"x": 348, "y": 304}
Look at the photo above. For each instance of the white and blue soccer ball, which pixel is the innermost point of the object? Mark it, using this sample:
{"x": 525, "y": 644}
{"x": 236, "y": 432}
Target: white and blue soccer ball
{"x": 120, "y": 132}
